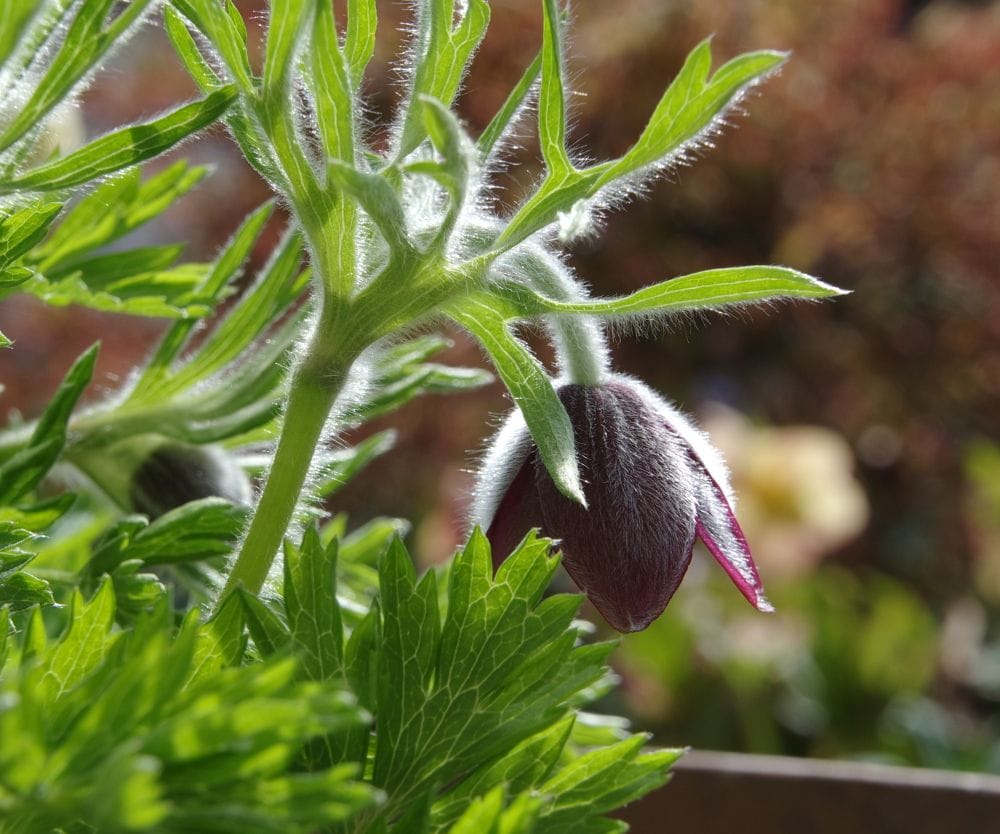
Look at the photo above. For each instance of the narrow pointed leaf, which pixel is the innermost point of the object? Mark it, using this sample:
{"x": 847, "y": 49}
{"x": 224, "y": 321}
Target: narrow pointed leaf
{"x": 710, "y": 289}
{"x": 187, "y": 50}
{"x": 85, "y": 42}
{"x": 533, "y": 392}
{"x": 359, "y": 45}
{"x": 224, "y": 271}
{"x": 444, "y": 52}
{"x": 552, "y": 96}
{"x": 692, "y": 104}
{"x": 507, "y": 114}
{"x": 23, "y": 229}
{"x": 226, "y": 31}
{"x": 22, "y": 472}
{"x": 285, "y": 20}
{"x": 380, "y": 202}
{"x": 124, "y": 147}
{"x": 331, "y": 88}
{"x": 691, "y": 109}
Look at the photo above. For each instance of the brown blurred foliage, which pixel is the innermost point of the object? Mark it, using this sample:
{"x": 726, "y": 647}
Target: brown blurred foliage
{"x": 871, "y": 161}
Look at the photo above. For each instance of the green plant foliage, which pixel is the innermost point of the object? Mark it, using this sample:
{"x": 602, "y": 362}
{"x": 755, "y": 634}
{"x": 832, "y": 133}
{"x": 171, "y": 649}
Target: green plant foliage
{"x": 23, "y": 470}
{"x": 18, "y": 588}
{"x": 137, "y": 731}
{"x": 48, "y": 51}
{"x": 166, "y": 727}
{"x": 123, "y": 148}
{"x": 471, "y": 701}
{"x": 338, "y": 692}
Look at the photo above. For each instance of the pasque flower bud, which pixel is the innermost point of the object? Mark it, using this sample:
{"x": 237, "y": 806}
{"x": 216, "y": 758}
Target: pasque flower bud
{"x": 175, "y": 473}
{"x": 653, "y": 484}
{"x": 152, "y": 474}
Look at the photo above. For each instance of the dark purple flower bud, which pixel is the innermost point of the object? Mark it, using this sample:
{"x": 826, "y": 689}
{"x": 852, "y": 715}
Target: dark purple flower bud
{"x": 653, "y": 483}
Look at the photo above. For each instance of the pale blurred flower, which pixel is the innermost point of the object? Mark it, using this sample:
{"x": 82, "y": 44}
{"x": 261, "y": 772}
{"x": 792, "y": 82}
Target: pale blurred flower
{"x": 799, "y": 499}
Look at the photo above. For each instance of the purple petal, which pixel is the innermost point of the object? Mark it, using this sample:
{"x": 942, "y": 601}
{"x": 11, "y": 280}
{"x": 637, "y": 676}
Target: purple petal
{"x": 518, "y": 512}
{"x": 718, "y": 528}
{"x": 631, "y": 548}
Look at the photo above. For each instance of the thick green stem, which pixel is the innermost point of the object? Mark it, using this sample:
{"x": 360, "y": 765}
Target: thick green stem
{"x": 310, "y": 400}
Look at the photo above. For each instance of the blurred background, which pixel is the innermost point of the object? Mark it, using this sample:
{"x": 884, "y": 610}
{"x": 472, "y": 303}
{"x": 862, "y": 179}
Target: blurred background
{"x": 863, "y": 434}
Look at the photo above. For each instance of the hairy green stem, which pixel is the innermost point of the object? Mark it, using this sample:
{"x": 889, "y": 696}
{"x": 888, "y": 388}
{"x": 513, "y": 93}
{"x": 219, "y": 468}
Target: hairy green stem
{"x": 581, "y": 348}
{"x": 580, "y": 342}
{"x": 312, "y": 394}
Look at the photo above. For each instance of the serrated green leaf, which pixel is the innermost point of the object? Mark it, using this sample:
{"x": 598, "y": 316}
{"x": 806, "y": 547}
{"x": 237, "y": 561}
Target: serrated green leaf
{"x": 268, "y": 632}
{"x": 521, "y": 769}
{"x": 361, "y": 659}
{"x": 533, "y": 392}
{"x": 410, "y": 631}
{"x": 35, "y": 642}
{"x": 82, "y": 647}
{"x": 12, "y": 276}
{"x": 482, "y": 814}
{"x": 125, "y": 147}
{"x": 135, "y": 591}
{"x": 197, "y": 530}
{"x": 35, "y": 518}
{"x": 221, "y": 643}
{"x": 5, "y": 641}
{"x": 601, "y": 781}
{"x": 502, "y": 670}
{"x": 140, "y": 741}
{"x": 311, "y": 606}
{"x": 12, "y": 553}
{"x": 22, "y": 590}
{"x": 360, "y": 552}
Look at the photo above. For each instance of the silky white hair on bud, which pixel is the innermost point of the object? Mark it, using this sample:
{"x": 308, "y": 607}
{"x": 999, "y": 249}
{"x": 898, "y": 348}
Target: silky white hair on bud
{"x": 505, "y": 453}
